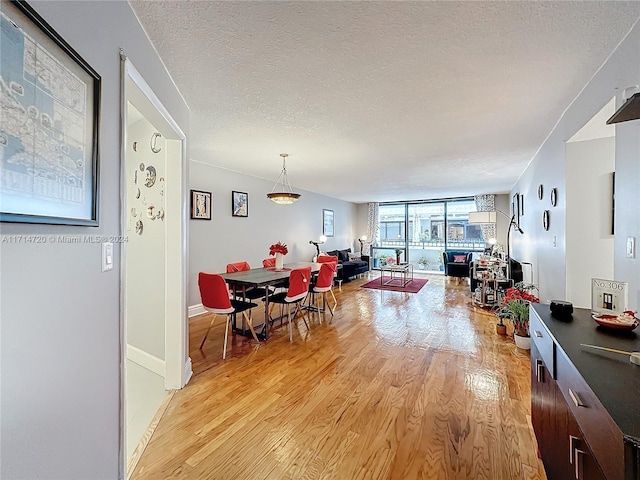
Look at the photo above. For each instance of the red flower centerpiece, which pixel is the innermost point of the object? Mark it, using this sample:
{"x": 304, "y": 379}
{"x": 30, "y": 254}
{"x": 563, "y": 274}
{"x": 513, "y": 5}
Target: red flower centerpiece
{"x": 279, "y": 250}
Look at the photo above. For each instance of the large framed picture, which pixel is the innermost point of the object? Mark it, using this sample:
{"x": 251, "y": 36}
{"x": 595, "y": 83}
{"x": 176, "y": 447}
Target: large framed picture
{"x": 327, "y": 222}
{"x": 49, "y": 124}
{"x": 200, "y": 205}
{"x": 239, "y": 204}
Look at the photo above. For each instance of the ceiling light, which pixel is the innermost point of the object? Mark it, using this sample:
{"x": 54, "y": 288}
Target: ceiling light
{"x": 285, "y": 196}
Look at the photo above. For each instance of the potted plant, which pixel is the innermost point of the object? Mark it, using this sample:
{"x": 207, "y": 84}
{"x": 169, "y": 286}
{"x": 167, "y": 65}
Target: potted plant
{"x": 423, "y": 262}
{"x": 383, "y": 259}
{"x": 515, "y": 307}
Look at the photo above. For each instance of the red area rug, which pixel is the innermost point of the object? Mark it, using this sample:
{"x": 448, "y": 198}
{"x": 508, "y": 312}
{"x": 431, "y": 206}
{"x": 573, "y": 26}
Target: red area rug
{"x": 413, "y": 286}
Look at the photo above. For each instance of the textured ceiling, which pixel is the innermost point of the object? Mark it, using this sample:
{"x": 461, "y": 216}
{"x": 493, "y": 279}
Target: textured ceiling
{"x": 379, "y": 101}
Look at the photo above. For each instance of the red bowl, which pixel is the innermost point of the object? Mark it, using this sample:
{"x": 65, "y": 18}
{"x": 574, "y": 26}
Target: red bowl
{"x": 609, "y": 321}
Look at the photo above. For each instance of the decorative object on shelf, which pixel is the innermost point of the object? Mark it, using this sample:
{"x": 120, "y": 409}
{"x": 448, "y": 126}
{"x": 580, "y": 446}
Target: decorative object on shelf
{"x": 279, "y": 250}
{"x": 137, "y": 193}
{"x": 53, "y": 182}
{"x": 327, "y": 222}
{"x": 285, "y": 195}
{"x": 554, "y": 197}
{"x": 153, "y": 142}
{"x": 200, "y": 205}
{"x": 515, "y": 307}
{"x": 239, "y": 204}
{"x": 561, "y": 309}
{"x": 135, "y": 177}
{"x": 139, "y": 227}
{"x": 135, "y": 146}
{"x": 317, "y": 244}
{"x": 150, "y": 213}
{"x": 362, "y": 241}
{"x": 134, "y": 212}
{"x": 141, "y": 167}
{"x": 160, "y": 214}
{"x": 609, "y": 297}
{"x": 151, "y": 177}
{"x": 540, "y": 192}
{"x": 545, "y": 220}
{"x": 625, "y": 321}
{"x": 398, "y": 253}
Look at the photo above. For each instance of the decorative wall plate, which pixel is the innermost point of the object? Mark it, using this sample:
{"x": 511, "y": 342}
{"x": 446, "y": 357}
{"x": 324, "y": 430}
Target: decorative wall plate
{"x": 134, "y": 212}
{"x": 142, "y": 167}
{"x": 139, "y": 227}
{"x": 154, "y": 140}
{"x": 138, "y": 193}
{"x": 540, "y": 192}
{"x": 554, "y": 197}
{"x": 151, "y": 176}
{"x": 545, "y": 220}
{"x": 135, "y": 146}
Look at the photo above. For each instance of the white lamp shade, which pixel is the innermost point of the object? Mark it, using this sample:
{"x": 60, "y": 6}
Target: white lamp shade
{"x": 482, "y": 217}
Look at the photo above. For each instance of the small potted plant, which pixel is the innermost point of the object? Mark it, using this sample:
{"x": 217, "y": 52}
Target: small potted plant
{"x": 515, "y": 307}
{"x": 423, "y": 262}
{"x": 279, "y": 250}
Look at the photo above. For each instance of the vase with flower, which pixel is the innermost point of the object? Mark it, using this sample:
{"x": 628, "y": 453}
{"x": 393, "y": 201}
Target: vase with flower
{"x": 279, "y": 250}
{"x": 515, "y": 307}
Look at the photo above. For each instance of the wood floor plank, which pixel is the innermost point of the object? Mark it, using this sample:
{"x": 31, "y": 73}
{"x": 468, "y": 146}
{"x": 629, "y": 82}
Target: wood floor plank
{"x": 394, "y": 386}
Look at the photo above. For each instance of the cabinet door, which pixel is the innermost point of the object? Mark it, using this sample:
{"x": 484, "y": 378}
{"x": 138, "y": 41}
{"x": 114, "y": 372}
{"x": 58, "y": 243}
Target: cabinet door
{"x": 583, "y": 465}
{"x": 543, "y": 417}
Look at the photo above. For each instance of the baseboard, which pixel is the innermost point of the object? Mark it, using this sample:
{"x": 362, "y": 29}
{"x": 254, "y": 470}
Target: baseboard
{"x": 146, "y": 360}
{"x": 144, "y": 441}
{"x": 195, "y": 310}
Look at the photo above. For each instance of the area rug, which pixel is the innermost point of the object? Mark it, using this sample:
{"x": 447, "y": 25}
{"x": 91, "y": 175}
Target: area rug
{"x": 413, "y": 286}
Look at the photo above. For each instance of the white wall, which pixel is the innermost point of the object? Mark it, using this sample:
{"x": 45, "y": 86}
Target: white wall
{"x": 225, "y": 239}
{"x": 590, "y": 247}
{"x": 145, "y": 261}
{"x": 60, "y": 334}
{"x": 548, "y": 167}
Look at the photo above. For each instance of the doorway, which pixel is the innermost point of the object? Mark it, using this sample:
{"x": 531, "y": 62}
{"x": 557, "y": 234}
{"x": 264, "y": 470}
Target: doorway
{"x": 154, "y": 354}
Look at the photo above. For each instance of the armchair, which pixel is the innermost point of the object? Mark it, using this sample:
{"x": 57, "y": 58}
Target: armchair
{"x": 456, "y": 263}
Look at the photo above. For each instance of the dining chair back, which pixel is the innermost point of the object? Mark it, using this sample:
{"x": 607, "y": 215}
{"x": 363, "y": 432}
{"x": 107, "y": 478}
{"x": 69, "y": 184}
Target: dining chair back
{"x": 238, "y": 267}
{"x": 269, "y": 262}
{"x": 214, "y": 293}
{"x": 323, "y": 284}
{"x": 299, "y": 281}
{"x": 250, "y": 293}
{"x": 327, "y": 259}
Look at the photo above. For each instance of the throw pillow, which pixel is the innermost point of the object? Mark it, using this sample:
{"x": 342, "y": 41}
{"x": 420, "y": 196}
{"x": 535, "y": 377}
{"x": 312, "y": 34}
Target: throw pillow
{"x": 459, "y": 259}
{"x": 353, "y": 257}
{"x": 343, "y": 255}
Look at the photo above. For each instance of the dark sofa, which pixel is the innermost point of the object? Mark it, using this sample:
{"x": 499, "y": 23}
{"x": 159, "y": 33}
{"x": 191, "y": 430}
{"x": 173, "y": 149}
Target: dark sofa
{"x": 350, "y": 268}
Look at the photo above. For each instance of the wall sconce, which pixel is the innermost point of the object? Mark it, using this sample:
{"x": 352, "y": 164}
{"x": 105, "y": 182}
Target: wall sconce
{"x": 320, "y": 241}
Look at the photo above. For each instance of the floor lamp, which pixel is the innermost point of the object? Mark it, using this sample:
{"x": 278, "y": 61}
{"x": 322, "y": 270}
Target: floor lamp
{"x": 490, "y": 218}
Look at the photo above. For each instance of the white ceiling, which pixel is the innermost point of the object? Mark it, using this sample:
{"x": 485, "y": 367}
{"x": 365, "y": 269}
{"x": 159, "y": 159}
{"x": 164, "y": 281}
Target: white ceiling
{"x": 379, "y": 101}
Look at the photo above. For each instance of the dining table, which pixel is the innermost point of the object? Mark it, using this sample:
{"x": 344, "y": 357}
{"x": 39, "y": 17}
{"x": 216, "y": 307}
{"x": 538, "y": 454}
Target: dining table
{"x": 263, "y": 277}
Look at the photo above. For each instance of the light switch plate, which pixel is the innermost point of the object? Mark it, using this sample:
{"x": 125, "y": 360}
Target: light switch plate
{"x": 631, "y": 247}
{"x": 107, "y": 256}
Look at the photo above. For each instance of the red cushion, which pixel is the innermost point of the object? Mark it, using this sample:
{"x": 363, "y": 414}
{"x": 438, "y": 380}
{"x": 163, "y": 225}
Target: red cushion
{"x": 459, "y": 259}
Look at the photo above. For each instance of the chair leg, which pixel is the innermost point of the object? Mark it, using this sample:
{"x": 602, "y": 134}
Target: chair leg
{"x": 290, "y": 327}
{"x": 326, "y": 303}
{"x": 298, "y": 309}
{"x": 207, "y": 334}
{"x": 226, "y": 334}
{"x": 335, "y": 302}
{"x": 249, "y": 321}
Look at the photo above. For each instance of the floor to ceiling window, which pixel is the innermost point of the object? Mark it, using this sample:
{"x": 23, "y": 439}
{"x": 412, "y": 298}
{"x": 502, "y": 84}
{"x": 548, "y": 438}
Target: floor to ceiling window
{"x": 418, "y": 232}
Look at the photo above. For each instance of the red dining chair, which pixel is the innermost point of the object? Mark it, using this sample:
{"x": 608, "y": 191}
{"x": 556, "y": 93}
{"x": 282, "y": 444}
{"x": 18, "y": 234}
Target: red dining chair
{"x": 215, "y": 299}
{"x": 251, "y": 293}
{"x": 299, "y": 281}
{"x": 322, "y": 285}
{"x": 332, "y": 259}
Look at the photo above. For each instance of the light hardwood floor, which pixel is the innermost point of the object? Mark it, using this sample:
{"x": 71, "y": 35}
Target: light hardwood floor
{"x": 397, "y": 386}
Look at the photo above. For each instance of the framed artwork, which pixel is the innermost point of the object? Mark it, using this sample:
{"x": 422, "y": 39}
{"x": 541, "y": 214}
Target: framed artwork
{"x": 522, "y": 205}
{"x": 515, "y": 208}
{"x": 49, "y": 138}
{"x": 327, "y": 223}
{"x": 239, "y": 204}
{"x": 200, "y": 205}
{"x": 609, "y": 296}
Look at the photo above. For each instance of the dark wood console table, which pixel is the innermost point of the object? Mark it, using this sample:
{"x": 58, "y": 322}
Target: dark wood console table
{"x": 585, "y": 404}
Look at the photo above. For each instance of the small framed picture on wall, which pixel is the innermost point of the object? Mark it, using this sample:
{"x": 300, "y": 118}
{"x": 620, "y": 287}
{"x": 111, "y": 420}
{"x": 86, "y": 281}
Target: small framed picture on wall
{"x": 200, "y": 205}
{"x": 239, "y": 204}
{"x": 327, "y": 223}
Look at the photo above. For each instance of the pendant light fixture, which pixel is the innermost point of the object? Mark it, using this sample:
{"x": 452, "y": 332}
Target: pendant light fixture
{"x": 285, "y": 196}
